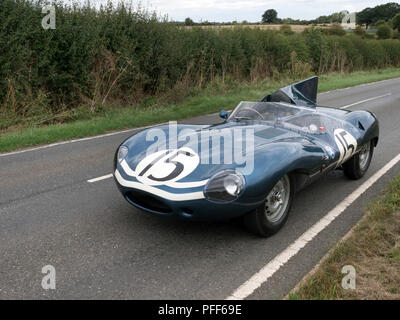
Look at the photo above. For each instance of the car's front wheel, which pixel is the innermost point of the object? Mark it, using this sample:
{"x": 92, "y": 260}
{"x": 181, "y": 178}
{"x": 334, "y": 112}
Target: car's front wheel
{"x": 270, "y": 217}
{"x": 359, "y": 164}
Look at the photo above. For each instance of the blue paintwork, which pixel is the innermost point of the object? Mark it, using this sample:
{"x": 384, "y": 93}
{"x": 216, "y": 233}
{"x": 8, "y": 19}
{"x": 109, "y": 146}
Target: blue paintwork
{"x": 277, "y": 151}
{"x": 224, "y": 114}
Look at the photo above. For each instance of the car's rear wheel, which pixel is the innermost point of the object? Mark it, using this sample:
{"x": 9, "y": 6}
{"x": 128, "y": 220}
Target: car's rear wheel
{"x": 272, "y": 214}
{"x": 359, "y": 164}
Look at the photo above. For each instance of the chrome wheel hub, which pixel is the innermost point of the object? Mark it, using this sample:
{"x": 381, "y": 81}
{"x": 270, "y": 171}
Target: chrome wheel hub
{"x": 278, "y": 200}
{"x": 364, "y": 156}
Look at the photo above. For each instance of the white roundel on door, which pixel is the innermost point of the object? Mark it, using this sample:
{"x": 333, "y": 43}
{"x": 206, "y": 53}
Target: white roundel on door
{"x": 167, "y": 166}
{"x": 346, "y": 143}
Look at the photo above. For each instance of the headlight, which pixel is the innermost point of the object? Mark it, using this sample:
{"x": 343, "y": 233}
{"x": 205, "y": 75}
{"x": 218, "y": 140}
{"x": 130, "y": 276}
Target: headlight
{"x": 225, "y": 186}
{"x": 122, "y": 152}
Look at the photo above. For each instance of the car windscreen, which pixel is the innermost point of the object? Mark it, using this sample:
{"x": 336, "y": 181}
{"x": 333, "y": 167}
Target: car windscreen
{"x": 266, "y": 111}
{"x": 291, "y": 117}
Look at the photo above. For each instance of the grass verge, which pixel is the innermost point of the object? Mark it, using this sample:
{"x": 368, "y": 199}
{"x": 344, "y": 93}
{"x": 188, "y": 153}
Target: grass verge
{"x": 209, "y": 100}
{"x": 373, "y": 248}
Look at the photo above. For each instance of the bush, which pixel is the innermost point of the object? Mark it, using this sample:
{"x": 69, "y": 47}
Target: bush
{"x": 286, "y": 29}
{"x": 384, "y": 31}
{"x": 335, "y": 29}
{"x": 396, "y": 35}
{"x": 379, "y": 23}
{"x": 117, "y": 55}
{"x": 360, "y": 31}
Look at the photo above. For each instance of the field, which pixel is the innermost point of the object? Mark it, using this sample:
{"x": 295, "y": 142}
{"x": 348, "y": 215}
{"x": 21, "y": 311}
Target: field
{"x": 295, "y": 27}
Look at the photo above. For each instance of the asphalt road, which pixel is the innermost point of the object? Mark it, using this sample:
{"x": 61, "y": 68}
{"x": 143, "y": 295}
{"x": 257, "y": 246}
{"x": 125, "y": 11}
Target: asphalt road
{"x": 102, "y": 248}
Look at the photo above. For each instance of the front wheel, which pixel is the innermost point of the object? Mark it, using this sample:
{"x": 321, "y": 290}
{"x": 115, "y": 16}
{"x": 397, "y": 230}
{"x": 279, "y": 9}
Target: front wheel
{"x": 270, "y": 217}
{"x": 359, "y": 164}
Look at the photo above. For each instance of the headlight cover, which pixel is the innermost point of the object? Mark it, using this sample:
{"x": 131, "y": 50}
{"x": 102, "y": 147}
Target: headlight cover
{"x": 225, "y": 186}
{"x": 122, "y": 152}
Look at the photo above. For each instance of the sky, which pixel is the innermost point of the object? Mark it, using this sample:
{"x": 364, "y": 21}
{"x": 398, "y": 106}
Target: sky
{"x": 249, "y": 10}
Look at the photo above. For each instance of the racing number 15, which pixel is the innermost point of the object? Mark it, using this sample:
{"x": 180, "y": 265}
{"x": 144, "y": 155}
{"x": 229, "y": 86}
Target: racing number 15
{"x": 345, "y": 139}
{"x": 179, "y": 167}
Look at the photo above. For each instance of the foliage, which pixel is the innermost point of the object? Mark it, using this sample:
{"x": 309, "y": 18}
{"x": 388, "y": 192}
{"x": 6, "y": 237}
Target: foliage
{"x": 384, "y": 12}
{"x": 396, "y": 22}
{"x": 286, "y": 29}
{"x": 122, "y": 56}
{"x": 270, "y": 16}
{"x": 189, "y": 22}
{"x": 396, "y": 35}
{"x": 360, "y": 31}
{"x": 336, "y": 17}
{"x": 335, "y": 29}
{"x": 384, "y": 31}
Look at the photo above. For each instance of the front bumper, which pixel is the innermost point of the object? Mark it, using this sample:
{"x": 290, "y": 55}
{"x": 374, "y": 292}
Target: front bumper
{"x": 193, "y": 207}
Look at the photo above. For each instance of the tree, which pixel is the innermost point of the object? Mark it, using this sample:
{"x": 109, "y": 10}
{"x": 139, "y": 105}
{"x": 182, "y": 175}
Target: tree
{"x": 396, "y": 22}
{"x": 189, "y": 22}
{"x": 365, "y": 17}
{"x": 382, "y": 12}
{"x": 270, "y": 16}
{"x": 384, "y": 32}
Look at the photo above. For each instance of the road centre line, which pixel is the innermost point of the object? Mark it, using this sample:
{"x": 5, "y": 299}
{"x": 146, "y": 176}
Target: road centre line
{"x": 108, "y": 176}
{"x": 261, "y": 277}
{"x": 367, "y": 100}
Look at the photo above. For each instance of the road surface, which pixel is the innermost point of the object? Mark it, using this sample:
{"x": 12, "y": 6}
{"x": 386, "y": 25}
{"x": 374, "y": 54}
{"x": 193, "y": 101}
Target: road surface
{"x": 103, "y": 248}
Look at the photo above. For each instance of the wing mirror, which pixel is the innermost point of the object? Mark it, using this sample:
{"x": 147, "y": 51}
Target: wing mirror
{"x": 224, "y": 114}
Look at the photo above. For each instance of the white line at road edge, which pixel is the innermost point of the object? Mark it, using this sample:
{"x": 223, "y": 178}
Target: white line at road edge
{"x": 108, "y": 176}
{"x": 367, "y": 100}
{"x": 280, "y": 260}
{"x": 77, "y": 140}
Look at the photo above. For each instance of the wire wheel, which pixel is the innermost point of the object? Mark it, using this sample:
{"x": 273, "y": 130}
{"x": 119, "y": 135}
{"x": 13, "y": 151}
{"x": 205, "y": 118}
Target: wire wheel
{"x": 364, "y": 156}
{"x": 278, "y": 200}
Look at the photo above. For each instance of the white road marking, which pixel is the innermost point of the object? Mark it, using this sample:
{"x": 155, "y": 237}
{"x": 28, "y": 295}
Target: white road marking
{"x": 77, "y": 140}
{"x": 359, "y": 85}
{"x": 275, "y": 264}
{"x": 371, "y": 99}
{"x": 108, "y": 176}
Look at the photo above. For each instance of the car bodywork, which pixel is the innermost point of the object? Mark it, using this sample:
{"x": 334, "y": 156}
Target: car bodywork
{"x": 292, "y": 135}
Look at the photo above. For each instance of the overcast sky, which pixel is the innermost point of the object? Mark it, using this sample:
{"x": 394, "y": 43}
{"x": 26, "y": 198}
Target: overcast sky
{"x": 250, "y": 10}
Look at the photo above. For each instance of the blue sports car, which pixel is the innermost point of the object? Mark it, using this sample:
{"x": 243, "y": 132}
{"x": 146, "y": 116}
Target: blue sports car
{"x": 249, "y": 165}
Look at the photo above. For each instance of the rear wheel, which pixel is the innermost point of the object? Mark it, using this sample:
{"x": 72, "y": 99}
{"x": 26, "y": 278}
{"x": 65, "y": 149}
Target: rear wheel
{"x": 359, "y": 164}
{"x": 272, "y": 214}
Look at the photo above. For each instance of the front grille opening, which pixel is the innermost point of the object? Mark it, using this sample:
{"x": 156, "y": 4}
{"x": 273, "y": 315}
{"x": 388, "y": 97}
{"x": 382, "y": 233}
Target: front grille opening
{"x": 148, "y": 201}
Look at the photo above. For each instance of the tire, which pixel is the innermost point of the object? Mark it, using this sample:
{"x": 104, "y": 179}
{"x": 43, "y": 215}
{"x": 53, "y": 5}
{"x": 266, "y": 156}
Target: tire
{"x": 271, "y": 216}
{"x": 359, "y": 164}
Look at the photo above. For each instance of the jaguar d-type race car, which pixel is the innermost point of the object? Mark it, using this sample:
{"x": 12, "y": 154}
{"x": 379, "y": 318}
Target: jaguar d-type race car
{"x": 249, "y": 165}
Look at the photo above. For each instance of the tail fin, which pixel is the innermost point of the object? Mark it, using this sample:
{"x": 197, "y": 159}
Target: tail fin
{"x": 303, "y": 93}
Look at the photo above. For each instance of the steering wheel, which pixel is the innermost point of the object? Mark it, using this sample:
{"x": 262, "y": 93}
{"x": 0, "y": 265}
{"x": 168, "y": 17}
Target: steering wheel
{"x": 259, "y": 114}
